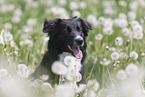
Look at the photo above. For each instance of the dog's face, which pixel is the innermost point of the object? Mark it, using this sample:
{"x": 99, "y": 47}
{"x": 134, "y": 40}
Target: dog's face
{"x": 67, "y": 35}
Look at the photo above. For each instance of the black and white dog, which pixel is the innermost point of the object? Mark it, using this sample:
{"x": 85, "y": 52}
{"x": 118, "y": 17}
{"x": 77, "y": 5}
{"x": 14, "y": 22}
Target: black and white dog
{"x": 66, "y": 35}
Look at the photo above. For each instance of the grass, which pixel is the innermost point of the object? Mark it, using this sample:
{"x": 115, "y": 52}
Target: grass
{"x": 32, "y": 51}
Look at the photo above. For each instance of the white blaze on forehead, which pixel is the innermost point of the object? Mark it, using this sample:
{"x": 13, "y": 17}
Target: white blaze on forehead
{"x": 78, "y": 37}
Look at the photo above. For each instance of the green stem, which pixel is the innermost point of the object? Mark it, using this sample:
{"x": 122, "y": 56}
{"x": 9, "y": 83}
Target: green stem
{"x": 130, "y": 39}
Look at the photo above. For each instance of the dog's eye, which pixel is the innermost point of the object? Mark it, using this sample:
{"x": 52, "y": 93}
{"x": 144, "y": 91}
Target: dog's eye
{"x": 69, "y": 29}
{"x": 78, "y": 29}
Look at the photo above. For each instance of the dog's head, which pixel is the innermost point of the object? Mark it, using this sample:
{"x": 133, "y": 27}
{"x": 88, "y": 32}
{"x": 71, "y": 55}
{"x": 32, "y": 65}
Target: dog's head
{"x": 67, "y": 35}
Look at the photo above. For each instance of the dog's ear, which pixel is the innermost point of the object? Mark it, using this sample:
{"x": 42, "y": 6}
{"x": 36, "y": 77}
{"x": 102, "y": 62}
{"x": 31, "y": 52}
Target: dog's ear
{"x": 86, "y": 26}
{"x": 49, "y": 25}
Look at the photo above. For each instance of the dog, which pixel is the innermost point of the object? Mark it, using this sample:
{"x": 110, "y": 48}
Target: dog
{"x": 66, "y": 35}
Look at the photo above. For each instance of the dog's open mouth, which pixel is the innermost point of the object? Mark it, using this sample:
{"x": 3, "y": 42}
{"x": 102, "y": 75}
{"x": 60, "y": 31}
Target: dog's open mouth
{"x": 76, "y": 51}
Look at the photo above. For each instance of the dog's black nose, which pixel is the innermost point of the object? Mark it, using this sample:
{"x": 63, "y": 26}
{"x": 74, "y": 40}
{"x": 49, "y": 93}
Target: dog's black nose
{"x": 79, "y": 40}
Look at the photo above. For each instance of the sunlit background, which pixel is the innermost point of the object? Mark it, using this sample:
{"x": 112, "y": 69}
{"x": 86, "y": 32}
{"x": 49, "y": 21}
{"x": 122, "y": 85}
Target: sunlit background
{"x": 115, "y": 54}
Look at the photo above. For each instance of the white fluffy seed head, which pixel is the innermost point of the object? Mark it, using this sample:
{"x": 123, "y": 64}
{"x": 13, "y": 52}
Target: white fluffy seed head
{"x": 131, "y": 15}
{"x": 8, "y": 36}
{"x": 73, "y": 5}
{"x": 76, "y": 13}
{"x": 69, "y": 91}
{"x": 115, "y": 56}
{"x": 121, "y": 74}
{"x": 23, "y": 70}
{"x": 105, "y": 62}
{"x": 107, "y": 30}
{"x": 134, "y": 55}
{"x": 125, "y": 31}
{"x": 119, "y": 41}
{"x": 91, "y": 18}
{"x": 46, "y": 86}
{"x": 3, "y": 73}
{"x": 78, "y": 77}
{"x": 138, "y": 28}
{"x": 58, "y": 68}
{"x": 98, "y": 37}
{"x": 137, "y": 35}
{"x": 69, "y": 60}
{"x": 37, "y": 83}
{"x": 134, "y": 23}
{"x": 93, "y": 85}
{"x": 132, "y": 70}
{"x": 44, "y": 77}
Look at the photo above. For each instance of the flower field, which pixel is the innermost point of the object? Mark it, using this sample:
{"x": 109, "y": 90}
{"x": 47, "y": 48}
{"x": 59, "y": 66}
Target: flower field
{"x": 115, "y": 53}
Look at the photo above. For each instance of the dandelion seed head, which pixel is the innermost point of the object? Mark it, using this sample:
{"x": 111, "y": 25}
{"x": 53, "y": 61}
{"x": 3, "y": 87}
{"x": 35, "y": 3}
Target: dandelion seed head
{"x": 131, "y": 15}
{"x": 122, "y": 23}
{"x": 34, "y": 4}
{"x": 91, "y": 18}
{"x": 119, "y": 41}
{"x": 98, "y": 37}
{"x": 125, "y": 31}
{"x": 8, "y": 25}
{"x": 134, "y": 55}
{"x": 122, "y": 16}
{"x": 18, "y": 12}
{"x": 133, "y": 5}
{"x": 83, "y": 5}
{"x": 12, "y": 43}
{"x": 16, "y": 19}
{"x": 121, "y": 74}
{"x": 108, "y": 31}
{"x": 115, "y": 56}
{"x": 80, "y": 88}
{"x": 93, "y": 84}
{"x": 69, "y": 60}
{"x": 108, "y": 23}
{"x": 8, "y": 36}
{"x": 134, "y": 23}
{"x": 31, "y": 22}
{"x": 76, "y": 13}
{"x": 44, "y": 77}
{"x": 138, "y": 28}
{"x": 132, "y": 70}
{"x": 78, "y": 77}
{"x": 69, "y": 91}
{"x": 122, "y": 3}
{"x": 37, "y": 83}
{"x": 23, "y": 70}
{"x": 73, "y": 5}
{"x": 62, "y": 2}
{"x": 138, "y": 35}
{"x": 27, "y": 42}
{"x": 101, "y": 20}
{"x": 105, "y": 62}
{"x": 58, "y": 68}
{"x": 3, "y": 73}
{"x": 46, "y": 86}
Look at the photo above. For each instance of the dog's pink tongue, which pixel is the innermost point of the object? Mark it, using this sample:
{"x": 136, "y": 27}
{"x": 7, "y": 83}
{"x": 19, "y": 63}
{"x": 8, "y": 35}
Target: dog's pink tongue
{"x": 78, "y": 53}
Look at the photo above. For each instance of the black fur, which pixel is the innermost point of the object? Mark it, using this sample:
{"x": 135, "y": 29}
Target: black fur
{"x": 63, "y": 32}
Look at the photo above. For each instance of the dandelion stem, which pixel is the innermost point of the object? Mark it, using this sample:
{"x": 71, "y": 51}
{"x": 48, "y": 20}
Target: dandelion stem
{"x": 109, "y": 74}
{"x": 27, "y": 56}
{"x": 89, "y": 77}
{"x": 103, "y": 76}
{"x": 136, "y": 45}
{"x": 131, "y": 39}
{"x": 59, "y": 79}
